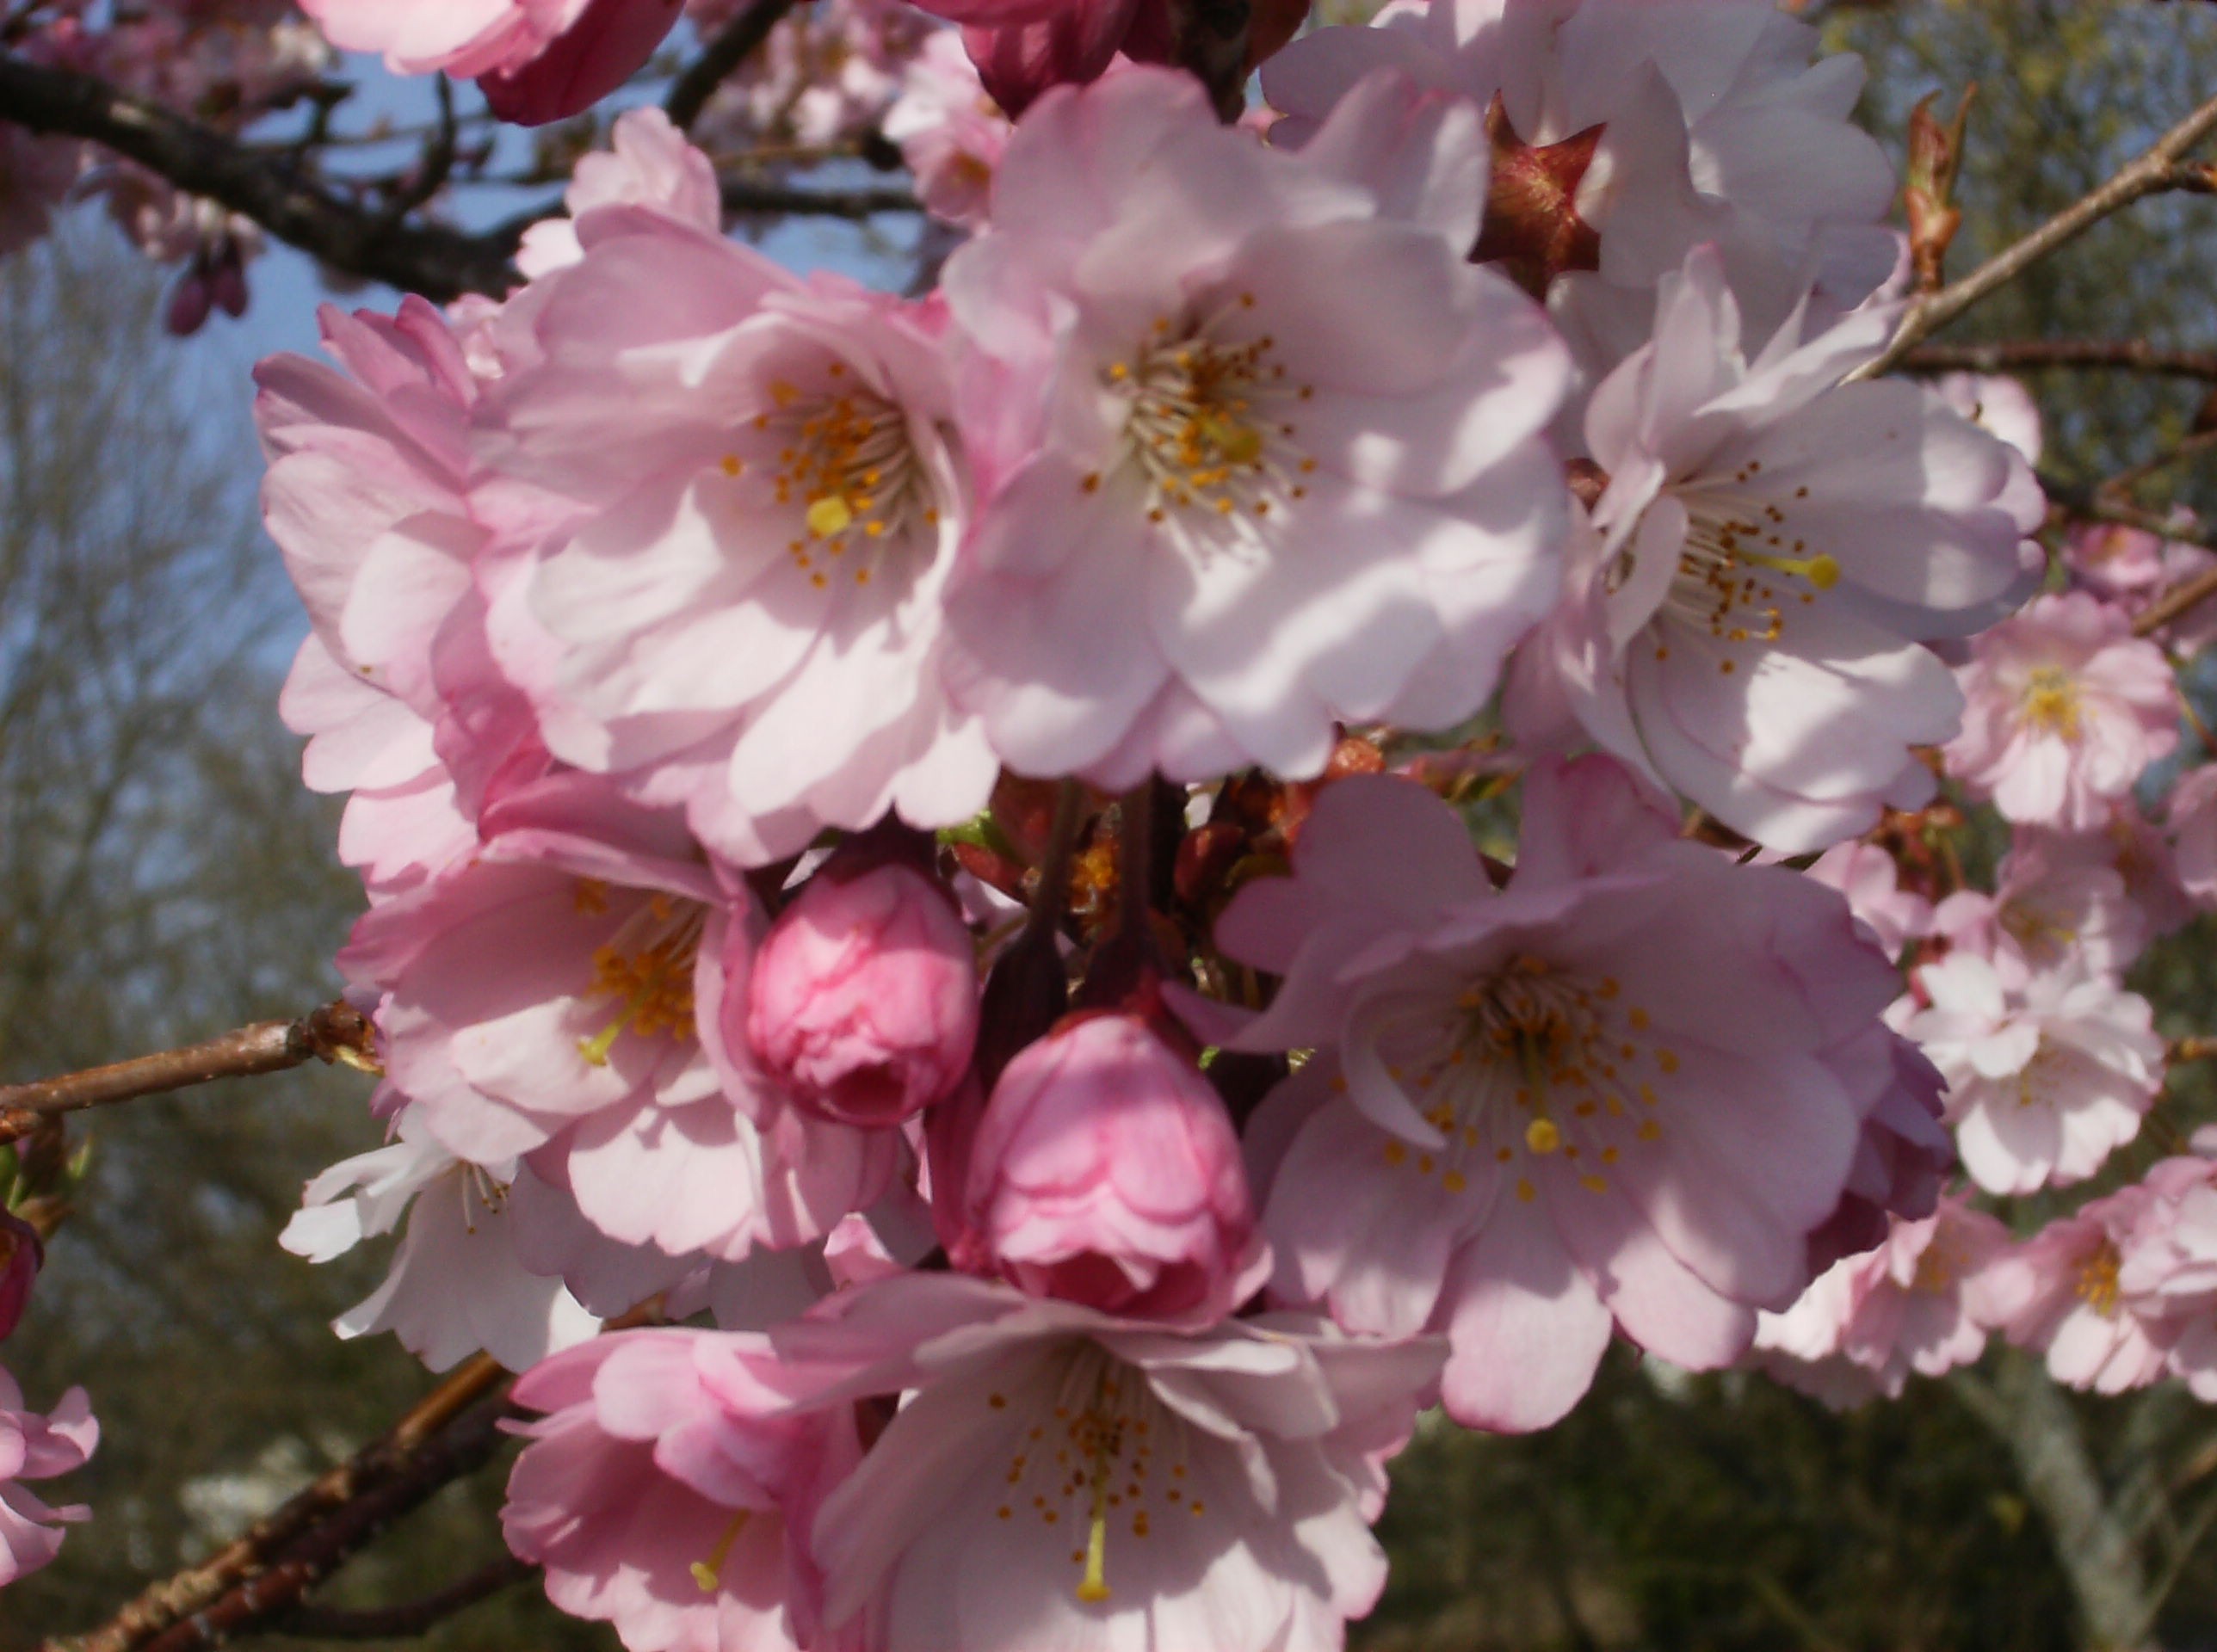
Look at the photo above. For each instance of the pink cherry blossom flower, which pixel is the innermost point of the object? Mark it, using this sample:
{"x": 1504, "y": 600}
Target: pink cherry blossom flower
{"x": 2067, "y": 709}
{"x": 538, "y": 60}
{"x": 2192, "y": 822}
{"x": 1105, "y": 1171}
{"x": 1997, "y": 403}
{"x": 1918, "y": 1303}
{"x": 2055, "y": 903}
{"x": 1871, "y": 880}
{"x": 746, "y": 617}
{"x": 1064, "y": 1478}
{"x": 2167, "y": 1266}
{"x": 2060, "y": 1293}
{"x": 542, "y": 1000}
{"x": 2132, "y": 568}
{"x": 376, "y": 500}
{"x": 862, "y": 1000}
{"x": 1772, "y": 548}
{"x": 1264, "y": 452}
{"x": 663, "y": 1490}
{"x": 1621, "y": 1094}
{"x": 1903, "y": 1155}
{"x": 2046, "y": 1079}
{"x": 1627, "y": 132}
{"x": 21, "y": 1251}
{"x": 38, "y": 1447}
{"x": 950, "y": 132}
{"x": 649, "y": 164}
{"x": 456, "y": 1285}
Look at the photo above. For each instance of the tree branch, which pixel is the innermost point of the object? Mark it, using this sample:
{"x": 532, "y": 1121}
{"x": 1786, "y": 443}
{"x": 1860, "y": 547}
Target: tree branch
{"x": 743, "y": 197}
{"x": 2035, "y": 354}
{"x": 266, "y": 1568}
{"x": 440, "y": 263}
{"x": 742, "y": 37}
{"x": 416, "y": 1618}
{"x": 336, "y": 1033}
{"x": 2163, "y": 167}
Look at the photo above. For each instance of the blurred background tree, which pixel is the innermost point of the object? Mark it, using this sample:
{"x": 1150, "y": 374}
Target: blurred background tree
{"x": 164, "y": 876}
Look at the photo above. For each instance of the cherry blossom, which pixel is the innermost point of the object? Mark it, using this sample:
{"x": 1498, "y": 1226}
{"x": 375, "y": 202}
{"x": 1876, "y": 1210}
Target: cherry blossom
{"x": 35, "y": 1446}
{"x": 2045, "y": 1078}
{"x": 2067, "y": 709}
{"x": 1105, "y": 1171}
{"x": 548, "y": 999}
{"x": 1615, "y": 1095}
{"x": 2056, "y": 901}
{"x": 1625, "y": 133}
{"x": 862, "y": 1000}
{"x": 537, "y": 62}
{"x": 1918, "y": 1303}
{"x": 2061, "y": 1292}
{"x": 21, "y": 1253}
{"x": 1262, "y": 453}
{"x": 746, "y": 617}
{"x": 456, "y": 1286}
{"x": 1063, "y": 1477}
{"x": 2192, "y": 821}
{"x": 950, "y": 132}
{"x": 1771, "y": 550}
{"x": 664, "y": 1489}
{"x": 1871, "y": 880}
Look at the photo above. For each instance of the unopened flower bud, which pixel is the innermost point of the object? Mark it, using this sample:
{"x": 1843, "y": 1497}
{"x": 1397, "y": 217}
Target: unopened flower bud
{"x": 1105, "y": 1172}
{"x": 21, "y": 1254}
{"x": 863, "y": 998}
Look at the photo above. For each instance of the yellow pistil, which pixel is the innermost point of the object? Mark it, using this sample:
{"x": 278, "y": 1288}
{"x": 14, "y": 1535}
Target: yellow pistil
{"x": 709, "y": 1573}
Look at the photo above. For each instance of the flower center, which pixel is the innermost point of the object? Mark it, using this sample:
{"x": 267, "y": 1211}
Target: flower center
{"x": 846, "y": 461}
{"x": 1107, "y": 1452}
{"x": 1534, "y": 1068}
{"x": 2097, "y": 1280}
{"x": 647, "y": 967}
{"x": 2051, "y": 702}
{"x": 1741, "y": 571}
{"x": 1204, "y": 426}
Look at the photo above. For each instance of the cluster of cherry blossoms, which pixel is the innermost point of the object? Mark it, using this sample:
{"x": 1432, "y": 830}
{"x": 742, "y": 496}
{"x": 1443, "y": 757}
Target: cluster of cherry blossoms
{"x": 945, "y": 853}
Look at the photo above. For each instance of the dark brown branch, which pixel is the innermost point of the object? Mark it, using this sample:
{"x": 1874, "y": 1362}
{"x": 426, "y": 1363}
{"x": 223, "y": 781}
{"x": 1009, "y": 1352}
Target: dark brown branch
{"x": 265, "y": 1569}
{"x": 440, "y": 263}
{"x": 740, "y": 197}
{"x": 2163, "y": 167}
{"x": 1210, "y": 38}
{"x": 741, "y": 38}
{"x": 2037, "y": 354}
{"x": 336, "y": 1033}
{"x": 416, "y": 1618}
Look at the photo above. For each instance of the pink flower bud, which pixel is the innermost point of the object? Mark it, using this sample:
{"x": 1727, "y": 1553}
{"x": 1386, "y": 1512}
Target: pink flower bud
{"x": 21, "y": 1253}
{"x": 608, "y": 43}
{"x": 863, "y": 998}
{"x": 1105, "y": 1172}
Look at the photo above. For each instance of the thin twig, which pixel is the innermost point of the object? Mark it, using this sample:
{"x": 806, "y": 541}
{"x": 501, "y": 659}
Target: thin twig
{"x": 2125, "y": 481}
{"x": 740, "y": 196}
{"x": 2093, "y": 505}
{"x": 336, "y": 1033}
{"x": 2034, "y": 354}
{"x": 404, "y": 1622}
{"x": 2161, "y": 169}
{"x": 739, "y": 40}
{"x": 440, "y": 263}
{"x": 197, "y": 1589}
{"x": 2178, "y": 600}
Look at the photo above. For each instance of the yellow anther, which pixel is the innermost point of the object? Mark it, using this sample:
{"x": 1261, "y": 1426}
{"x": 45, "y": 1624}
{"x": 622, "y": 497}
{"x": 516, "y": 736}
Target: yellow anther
{"x": 1542, "y": 1136}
